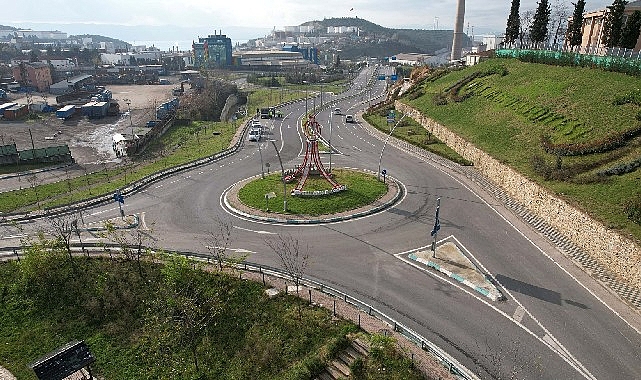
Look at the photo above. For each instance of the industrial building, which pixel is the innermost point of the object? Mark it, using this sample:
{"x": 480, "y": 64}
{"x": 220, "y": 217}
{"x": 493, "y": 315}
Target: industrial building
{"x": 212, "y": 51}
{"x": 270, "y": 59}
{"x": 34, "y": 75}
{"x": 69, "y": 85}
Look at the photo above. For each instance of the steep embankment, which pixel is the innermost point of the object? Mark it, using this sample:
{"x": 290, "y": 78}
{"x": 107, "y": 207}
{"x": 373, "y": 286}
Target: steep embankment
{"x": 574, "y": 131}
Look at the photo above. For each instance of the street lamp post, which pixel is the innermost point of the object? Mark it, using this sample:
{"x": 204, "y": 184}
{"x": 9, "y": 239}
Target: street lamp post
{"x": 262, "y": 167}
{"x": 282, "y": 169}
{"x": 384, "y": 145}
{"x": 330, "y": 142}
{"x": 305, "y": 83}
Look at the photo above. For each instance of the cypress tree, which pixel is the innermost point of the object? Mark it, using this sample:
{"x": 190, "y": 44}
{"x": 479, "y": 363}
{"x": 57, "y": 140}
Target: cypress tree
{"x": 577, "y": 22}
{"x": 539, "y": 29}
{"x": 631, "y": 31}
{"x": 513, "y": 23}
{"x": 613, "y": 23}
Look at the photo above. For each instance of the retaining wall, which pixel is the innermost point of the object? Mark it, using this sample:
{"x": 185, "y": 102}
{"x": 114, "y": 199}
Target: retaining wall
{"x": 617, "y": 253}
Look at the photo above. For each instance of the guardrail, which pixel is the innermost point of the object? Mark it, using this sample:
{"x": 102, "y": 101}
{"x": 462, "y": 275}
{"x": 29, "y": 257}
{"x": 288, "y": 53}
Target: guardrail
{"x": 453, "y": 366}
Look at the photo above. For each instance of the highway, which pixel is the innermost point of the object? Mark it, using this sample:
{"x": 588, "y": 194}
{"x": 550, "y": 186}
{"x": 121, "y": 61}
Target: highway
{"x": 556, "y": 321}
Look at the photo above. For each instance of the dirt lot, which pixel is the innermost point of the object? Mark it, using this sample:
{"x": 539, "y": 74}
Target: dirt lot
{"x": 90, "y": 140}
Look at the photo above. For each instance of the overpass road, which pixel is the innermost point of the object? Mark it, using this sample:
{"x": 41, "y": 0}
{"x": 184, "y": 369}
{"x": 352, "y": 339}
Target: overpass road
{"x": 555, "y": 323}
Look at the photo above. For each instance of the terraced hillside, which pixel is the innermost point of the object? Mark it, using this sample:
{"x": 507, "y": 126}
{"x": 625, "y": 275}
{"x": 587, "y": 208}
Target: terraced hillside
{"x": 577, "y": 131}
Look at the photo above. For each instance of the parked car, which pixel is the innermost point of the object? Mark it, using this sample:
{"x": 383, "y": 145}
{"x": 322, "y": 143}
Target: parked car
{"x": 337, "y": 111}
{"x": 349, "y": 118}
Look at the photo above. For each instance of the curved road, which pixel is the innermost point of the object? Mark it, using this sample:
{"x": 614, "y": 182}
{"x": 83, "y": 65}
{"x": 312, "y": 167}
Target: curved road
{"x": 556, "y": 323}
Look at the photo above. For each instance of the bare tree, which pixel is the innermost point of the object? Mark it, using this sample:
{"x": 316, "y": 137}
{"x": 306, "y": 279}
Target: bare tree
{"x": 132, "y": 242}
{"x": 560, "y": 14}
{"x": 218, "y": 242}
{"x": 292, "y": 255}
{"x": 527, "y": 17}
{"x": 62, "y": 228}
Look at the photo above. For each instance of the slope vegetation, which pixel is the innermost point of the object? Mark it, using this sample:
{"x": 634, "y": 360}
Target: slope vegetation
{"x": 577, "y": 131}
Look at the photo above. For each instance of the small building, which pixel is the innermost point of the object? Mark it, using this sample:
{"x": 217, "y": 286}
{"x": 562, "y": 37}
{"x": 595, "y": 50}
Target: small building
{"x": 5, "y": 106}
{"x": 15, "y": 112}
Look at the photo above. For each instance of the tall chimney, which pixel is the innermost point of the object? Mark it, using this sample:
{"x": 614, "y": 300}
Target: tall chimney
{"x": 458, "y": 30}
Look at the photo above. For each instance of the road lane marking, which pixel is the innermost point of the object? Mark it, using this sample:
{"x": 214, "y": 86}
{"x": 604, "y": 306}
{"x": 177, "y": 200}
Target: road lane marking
{"x": 518, "y": 314}
{"x": 256, "y": 231}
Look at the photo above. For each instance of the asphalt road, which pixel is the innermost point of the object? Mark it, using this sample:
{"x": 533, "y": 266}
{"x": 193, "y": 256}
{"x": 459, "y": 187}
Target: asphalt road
{"x": 556, "y": 323}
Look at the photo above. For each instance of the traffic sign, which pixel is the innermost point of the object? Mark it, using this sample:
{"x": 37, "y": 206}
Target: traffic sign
{"x": 394, "y": 77}
{"x": 381, "y": 77}
{"x": 118, "y": 197}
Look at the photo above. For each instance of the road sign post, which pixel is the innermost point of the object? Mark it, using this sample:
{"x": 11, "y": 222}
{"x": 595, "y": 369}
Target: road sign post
{"x": 437, "y": 226}
{"x": 120, "y": 199}
{"x": 384, "y": 173}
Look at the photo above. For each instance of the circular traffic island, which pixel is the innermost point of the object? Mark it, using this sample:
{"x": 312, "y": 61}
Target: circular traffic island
{"x": 262, "y": 198}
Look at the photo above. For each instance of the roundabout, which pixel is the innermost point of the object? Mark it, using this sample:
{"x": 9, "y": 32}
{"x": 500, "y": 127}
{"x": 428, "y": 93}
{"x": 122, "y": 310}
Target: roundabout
{"x": 272, "y": 210}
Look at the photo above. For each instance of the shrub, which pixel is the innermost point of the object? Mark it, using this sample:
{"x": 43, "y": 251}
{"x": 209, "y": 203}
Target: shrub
{"x": 632, "y": 209}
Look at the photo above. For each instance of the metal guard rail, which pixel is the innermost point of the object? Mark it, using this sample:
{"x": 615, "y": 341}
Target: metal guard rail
{"x": 454, "y": 367}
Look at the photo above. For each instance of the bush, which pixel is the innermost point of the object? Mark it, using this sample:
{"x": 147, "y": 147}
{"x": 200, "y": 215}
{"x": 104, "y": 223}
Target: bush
{"x": 632, "y": 209}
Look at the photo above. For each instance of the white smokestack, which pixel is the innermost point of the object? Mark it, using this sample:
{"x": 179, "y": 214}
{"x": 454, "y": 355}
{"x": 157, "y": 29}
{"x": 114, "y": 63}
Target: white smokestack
{"x": 458, "y": 30}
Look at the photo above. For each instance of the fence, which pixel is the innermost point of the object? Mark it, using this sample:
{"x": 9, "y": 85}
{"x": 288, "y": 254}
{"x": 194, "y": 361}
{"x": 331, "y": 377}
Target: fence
{"x": 616, "y": 59}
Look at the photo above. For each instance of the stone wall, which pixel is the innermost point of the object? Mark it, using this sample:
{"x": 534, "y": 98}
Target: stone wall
{"x": 620, "y": 255}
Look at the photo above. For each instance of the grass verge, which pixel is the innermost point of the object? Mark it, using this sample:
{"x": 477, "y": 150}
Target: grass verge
{"x": 362, "y": 189}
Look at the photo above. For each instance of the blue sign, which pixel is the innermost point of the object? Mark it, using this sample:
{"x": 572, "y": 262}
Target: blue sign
{"x": 381, "y": 77}
{"x": 393, "y": 58}
{"x": 118, "y": 197}
{"x": 394, "y": 77}
{"x": 383, "y": 172}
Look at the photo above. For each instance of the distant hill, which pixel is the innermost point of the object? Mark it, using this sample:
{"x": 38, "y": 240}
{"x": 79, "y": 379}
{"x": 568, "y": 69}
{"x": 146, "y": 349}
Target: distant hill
{"x": 99, "y": 38}
{"x": 377, "y": 41}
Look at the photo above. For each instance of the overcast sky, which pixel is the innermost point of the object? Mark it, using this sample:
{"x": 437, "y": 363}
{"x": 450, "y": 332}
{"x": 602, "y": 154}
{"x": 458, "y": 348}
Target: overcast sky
{"x": 142, "y": 20}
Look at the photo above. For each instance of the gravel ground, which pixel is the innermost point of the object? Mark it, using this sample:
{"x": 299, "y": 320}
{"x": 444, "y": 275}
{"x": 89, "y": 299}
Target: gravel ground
{"x": 90, "y": 140}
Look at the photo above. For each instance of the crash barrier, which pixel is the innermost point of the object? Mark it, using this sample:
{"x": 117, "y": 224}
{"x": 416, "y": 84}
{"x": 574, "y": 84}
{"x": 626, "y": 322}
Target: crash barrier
{"x": 447, "y": 361}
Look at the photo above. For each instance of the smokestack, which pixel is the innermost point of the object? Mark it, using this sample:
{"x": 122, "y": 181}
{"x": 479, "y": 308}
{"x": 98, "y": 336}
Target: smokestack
{"x": 458, "y": 30}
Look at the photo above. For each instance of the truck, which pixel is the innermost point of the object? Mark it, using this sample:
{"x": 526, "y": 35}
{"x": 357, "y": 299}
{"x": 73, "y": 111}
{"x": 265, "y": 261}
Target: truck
{"x": 267, "y": 113}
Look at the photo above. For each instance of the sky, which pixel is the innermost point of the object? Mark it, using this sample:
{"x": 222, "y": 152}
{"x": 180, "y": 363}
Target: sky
{"x": 182, "y": 21}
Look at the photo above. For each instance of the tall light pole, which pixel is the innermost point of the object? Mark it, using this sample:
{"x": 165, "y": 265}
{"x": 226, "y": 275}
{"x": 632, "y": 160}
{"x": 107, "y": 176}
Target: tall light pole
{"x": 131, "y": 123}
{"x": 330, "y": 141}
{"x": 384, "y": 145}
{"x": 262, "y": 167}
{"x": 305, "y": 83}
{"x": 282, "y": 169}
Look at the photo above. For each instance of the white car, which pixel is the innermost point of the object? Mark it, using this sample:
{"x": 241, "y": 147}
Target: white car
{"x": 349, "y": 118}
{"x": 337, "y": 111}
{"x": 254, "y": 134}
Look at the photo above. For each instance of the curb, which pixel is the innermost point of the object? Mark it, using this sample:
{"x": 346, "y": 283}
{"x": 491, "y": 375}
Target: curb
{"x": 369, "y": 211}
{"x": 493, "y": 295}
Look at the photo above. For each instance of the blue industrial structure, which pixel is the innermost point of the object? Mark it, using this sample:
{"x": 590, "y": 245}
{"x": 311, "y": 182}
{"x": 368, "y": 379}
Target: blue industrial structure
{"x": 212, "y": 51}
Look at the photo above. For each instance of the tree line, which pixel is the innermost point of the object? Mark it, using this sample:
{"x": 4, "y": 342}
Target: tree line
{"x": 540, "y": 27}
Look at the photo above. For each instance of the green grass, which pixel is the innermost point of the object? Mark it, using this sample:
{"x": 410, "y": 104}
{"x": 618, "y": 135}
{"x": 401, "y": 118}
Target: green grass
{"x": 507, "y": 116}
{"x": 409, "y": 130}
{"x": 362, "y": 189}
{"x": 139, "y": 320}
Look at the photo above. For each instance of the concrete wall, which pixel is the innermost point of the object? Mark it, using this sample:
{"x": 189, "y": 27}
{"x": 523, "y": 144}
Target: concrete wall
{"x": 618, "y": 254}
